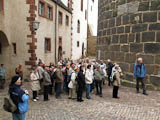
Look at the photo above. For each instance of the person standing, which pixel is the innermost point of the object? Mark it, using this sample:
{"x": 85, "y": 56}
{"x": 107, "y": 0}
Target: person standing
{"x": 40, "y": 72}
{"x": 88, "y": 81}
{"x": 109, "y": 71}
{"x": 59, "y": 80}
{"x": 98, "y": 75}
{"x": 73, "y": 84}
{"x": 19, "y": 97}
{"x": 35, "y": 85}
{"x": 116, "y": 83}
{"x": 2, "y": 76}
{"x": 80, "y": 83}
{"x": 140, "y": 73}
{"x": 46, "y": 83}
{"x": 19, "y": 71}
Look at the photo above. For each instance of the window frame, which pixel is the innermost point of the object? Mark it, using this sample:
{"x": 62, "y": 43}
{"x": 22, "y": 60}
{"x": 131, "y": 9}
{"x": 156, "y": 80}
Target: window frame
{"x": 81, "y": 5}
{"x": 67, "y": 20}
{"x": 78, "y": 26}
{"x": 48, "y": 48}
{"x": 14, "y": 45}
{"x": 60, "y": 19}
{"x": 39, "y": 9}
{"x": 78, "y": 44}
{"x": 51, "y": 12}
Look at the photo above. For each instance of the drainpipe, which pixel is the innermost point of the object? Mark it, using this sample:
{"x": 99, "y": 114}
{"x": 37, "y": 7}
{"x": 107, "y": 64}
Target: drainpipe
{"x": 56, "y": 34}
{"x": 87, "y": 23}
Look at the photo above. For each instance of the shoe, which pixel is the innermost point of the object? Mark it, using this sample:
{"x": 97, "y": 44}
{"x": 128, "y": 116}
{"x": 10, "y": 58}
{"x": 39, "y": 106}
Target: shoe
{"x": 37, "y": 98}
{"x": 34, "y": 100}
{"x": 81, "y": 100}
{"x": 145, "y": 94}
{"x": 46, "y": 100}
{"x": 100, "y": 95}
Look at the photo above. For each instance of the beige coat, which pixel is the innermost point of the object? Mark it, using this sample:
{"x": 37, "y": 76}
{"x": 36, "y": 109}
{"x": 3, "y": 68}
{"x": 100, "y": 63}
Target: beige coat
{"x": 60, "y": 77}
{"x": 117, "y": 82}
{"x": 35, "y": 85}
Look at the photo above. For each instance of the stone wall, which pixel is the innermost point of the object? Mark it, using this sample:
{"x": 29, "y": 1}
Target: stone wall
{"x": 128, "y": 29}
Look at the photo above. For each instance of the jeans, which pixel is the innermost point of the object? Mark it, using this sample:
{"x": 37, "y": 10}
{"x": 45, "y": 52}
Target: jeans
{"x": 115, "y": 91}
{"x": 34, "y": 94}
{"x": 88, "y": 89}
{"x": 58, "y": 89}
{"x": 2, "y": 82}
{"x": 18, "y": 116}
{"x": 46, "y": 91}
{"x": 99, "y": 87}
{"x": 142, "y": 82}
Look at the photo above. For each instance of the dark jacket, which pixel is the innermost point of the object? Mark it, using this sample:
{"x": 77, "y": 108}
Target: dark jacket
{"x": 109, "y": 70}
{"x": 81, "y": 80}
{"x": 16, "y": 94}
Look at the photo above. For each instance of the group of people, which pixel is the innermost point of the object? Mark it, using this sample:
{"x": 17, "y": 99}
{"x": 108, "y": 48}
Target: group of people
{"x": 72, "y": 78}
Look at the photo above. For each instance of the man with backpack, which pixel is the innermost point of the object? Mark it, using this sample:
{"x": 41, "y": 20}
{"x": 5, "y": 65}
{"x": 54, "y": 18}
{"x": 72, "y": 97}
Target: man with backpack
{"x": 2, "y": 76}
{"x": 19, "y": 97}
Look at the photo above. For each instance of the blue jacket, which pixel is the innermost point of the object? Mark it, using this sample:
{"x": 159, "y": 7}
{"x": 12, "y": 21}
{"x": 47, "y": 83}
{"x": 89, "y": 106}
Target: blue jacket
{"x": 20, "y": 99}
{"x": 139, "y": 73}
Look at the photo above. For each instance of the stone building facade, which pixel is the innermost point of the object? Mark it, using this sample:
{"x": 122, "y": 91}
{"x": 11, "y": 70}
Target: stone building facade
{"x": 128, "y": 29}
{"x": 21, "y": 44}
{"x": 92, "y": 42}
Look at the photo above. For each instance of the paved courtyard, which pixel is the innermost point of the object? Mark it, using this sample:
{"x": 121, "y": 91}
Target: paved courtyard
{"x": 130, "y": 106}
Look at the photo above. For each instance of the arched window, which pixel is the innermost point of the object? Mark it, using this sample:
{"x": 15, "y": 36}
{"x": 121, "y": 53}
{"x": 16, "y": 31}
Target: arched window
{"x": 78, "y": 26}
{"x": 81, "y": 5}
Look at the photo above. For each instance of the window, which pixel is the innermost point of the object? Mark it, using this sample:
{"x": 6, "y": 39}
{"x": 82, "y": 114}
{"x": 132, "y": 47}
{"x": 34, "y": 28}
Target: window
{"x": 60, "y": 40}
{"x": 49, "y": 12}
{"x": 0, "y": 48}
{"x": 85, "y": 14}
{"x": 92, "y": 0}
{"x": 1, "y": 5}
{"x": 47, "y": 44}
{"x": 78, "y": 26}
{"x": 67, "y": 20}
{"x": 77, "y": 43}
{"x": 41, "y": 8}
{"x": 60, "y": 17}
{"x": 81, "y": 5}
{"x": 91, "y": 8}
{"x": 14, "y": 48}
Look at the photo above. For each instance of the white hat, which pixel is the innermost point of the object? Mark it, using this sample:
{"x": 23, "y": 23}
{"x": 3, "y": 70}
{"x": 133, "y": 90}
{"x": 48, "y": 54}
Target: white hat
{"x": 59, "y": 63}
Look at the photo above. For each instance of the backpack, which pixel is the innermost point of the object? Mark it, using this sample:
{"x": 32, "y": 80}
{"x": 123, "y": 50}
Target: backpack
{"x": 54, "y": 76}
{"x": 112, "y": 77}
{"x": 8, "y": 105}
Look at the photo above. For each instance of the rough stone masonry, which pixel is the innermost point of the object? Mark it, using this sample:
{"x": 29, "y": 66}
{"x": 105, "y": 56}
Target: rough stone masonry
{"x": 128, "y": 29}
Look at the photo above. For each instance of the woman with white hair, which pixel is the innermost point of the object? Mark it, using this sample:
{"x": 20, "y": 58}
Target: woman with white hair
{"x": 116, "y": 82}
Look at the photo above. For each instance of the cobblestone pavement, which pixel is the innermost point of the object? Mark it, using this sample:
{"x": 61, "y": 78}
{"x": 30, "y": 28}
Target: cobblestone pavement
{"x": 130, "y": 106}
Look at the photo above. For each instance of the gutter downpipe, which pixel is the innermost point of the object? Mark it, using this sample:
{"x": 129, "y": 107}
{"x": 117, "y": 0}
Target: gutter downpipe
{"x": 56, "y": 34}
{"x": 87, "y": 23}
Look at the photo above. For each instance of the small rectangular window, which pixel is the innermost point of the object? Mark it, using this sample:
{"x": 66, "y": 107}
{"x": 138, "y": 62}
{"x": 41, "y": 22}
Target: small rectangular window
{"x": 67, "y": 20}
{"x": 60, "y": 17}
{"x": 1, "y": 5}
{"x": 47, "y": 44}
{"x": 77, "y": 43}
{"x": 85, "y": 14}
{"x": 0, "y": 48}
{"x": 14, "y": 48}
{"x": 49, "y": 12}
{"x": 41, "y": 8}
